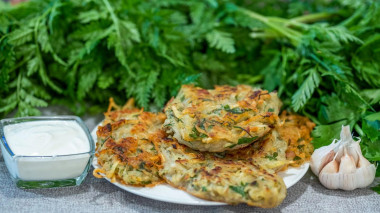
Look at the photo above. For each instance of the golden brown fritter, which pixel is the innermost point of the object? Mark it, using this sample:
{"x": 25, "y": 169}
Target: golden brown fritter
{"x": 133, "y": 149}
{"x": 224, "y": 118}
{"x": 212, "y": 178}
{"x": 289, "y": 144}
{"x": 296, "y": 131}
{"x": 269, "y": 152}
{"x": 125, "y": 148}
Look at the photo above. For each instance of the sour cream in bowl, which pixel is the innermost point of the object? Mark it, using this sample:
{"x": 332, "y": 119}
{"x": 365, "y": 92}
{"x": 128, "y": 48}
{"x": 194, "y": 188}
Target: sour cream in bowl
{"x": 45, "y": 152}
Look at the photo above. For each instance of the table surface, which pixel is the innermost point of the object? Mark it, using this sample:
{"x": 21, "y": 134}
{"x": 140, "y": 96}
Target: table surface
{"x": 98, "y": 195}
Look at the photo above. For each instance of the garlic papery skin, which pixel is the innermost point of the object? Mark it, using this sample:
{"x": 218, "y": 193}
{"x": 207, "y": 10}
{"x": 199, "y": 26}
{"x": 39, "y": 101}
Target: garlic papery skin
{"x": 341, "y": 165}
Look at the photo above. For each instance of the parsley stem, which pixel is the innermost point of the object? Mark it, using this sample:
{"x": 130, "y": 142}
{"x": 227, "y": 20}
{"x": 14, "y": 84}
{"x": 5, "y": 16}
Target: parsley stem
{"x": 312, "y": 17}
{"x": 255, "y": 15}
{"x": 282, "y": 26}
{"x": 20, "y": 64}
{"x": 359, "y": 130}
{"x": 352, "y": 20}
{"x": 262, "y": 35}
{"x": 277, "y": 24}
{"x": 113, "y": 15}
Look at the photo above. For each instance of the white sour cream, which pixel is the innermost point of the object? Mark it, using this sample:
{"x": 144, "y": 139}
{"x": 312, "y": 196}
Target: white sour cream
{"x": 46, "y": 138}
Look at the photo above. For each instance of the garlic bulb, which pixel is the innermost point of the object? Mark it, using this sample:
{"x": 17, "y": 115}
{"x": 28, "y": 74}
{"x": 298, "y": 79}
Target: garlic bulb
{"x": 341, "y": 164}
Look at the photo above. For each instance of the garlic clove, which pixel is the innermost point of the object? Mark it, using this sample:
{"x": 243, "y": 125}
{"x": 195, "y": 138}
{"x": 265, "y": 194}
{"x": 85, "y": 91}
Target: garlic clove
{"x": 317, "y": 163}
{"x": 347, "y": 163}
{"x": 339, "y": 153}
{"x": 331, "y": 167}
{"x": 347, "y": 181}
{"x": 365, "y": 175}
{"x": 329, "y": 176}
{"x": 363, "y": 162}
{"x": 354, "y": 150}
{"x": 329, "y": 180}
{"x": 321, "y": 157}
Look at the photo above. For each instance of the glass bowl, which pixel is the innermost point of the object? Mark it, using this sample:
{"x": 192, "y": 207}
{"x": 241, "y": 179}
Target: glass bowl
{"x": 47, "y": 170}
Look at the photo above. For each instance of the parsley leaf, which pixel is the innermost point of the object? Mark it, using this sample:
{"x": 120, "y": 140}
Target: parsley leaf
{"x": 239, "y": 190}
{"x": 246, "y": 140}
{"x": 376, "y": 188}
{"x": 273, "y": 156}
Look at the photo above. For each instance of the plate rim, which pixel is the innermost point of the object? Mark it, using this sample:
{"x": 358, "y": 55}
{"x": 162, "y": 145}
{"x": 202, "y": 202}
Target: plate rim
{"x": 300, "y": 173}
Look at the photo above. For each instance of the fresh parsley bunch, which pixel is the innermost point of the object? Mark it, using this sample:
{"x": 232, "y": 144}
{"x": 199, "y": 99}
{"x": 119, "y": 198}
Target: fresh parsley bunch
{"x": 323, "y": 57}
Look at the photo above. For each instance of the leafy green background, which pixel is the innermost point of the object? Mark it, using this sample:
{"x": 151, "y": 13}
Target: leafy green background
{"x": 322, "y": 56}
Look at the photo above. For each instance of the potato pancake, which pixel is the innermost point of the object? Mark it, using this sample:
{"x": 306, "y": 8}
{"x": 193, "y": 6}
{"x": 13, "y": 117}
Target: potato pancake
{"x": 206, "y": 176}
{"x": 289, "y": 144}
{"x": 269, "y": 152}
{"x": 125, "y": 148}
{"x": 134, "y": 149}
{"x": 221, "y": 119}
{"x": 296, "y": 131}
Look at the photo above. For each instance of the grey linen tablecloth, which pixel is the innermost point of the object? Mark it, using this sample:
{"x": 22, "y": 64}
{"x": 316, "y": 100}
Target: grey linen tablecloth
{"x": 98, "y": 195}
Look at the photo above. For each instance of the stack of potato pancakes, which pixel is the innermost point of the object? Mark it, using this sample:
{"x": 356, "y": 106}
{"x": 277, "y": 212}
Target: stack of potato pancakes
{"x": 225, "y": 144}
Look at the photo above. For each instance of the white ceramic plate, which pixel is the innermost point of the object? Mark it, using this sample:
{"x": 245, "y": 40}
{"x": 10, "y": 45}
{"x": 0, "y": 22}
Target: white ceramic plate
{"x": 167, "y": 193}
